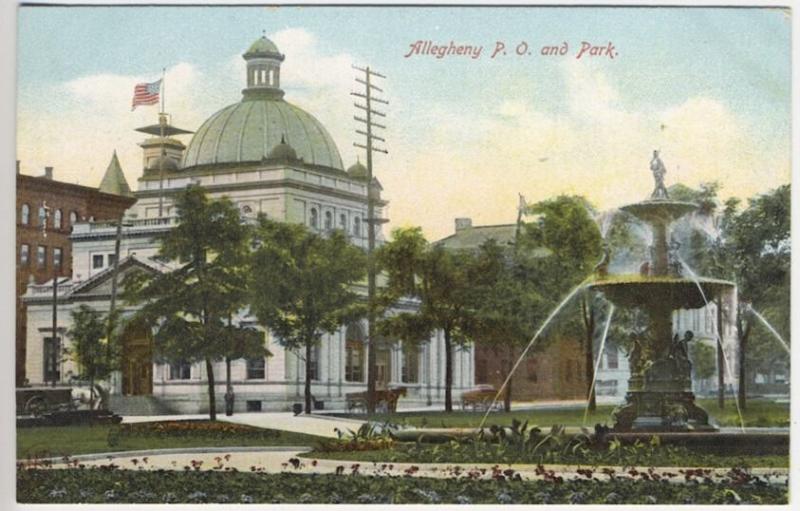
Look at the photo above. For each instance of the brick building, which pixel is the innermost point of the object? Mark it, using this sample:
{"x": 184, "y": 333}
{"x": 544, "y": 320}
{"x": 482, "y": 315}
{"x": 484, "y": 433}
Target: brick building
{"x": 554, "y": 373}
{"x": 46, "y": 212}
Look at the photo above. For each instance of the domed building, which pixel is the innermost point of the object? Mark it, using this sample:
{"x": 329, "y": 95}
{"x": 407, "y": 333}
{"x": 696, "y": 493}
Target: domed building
{"x": 267, "y": 156}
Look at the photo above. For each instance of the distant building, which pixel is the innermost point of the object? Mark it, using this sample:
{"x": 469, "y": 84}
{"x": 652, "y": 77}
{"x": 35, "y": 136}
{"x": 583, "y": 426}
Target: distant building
{"x": 47, "y": 211}
{"x": 558, "y": 372}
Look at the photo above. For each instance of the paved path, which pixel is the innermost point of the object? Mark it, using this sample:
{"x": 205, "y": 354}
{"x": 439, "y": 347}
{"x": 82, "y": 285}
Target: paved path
{"x": 285, "y": 459}
{"x": 285, "y": 421}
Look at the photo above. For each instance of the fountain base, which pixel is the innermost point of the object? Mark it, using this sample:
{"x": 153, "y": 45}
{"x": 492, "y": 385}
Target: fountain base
{"x": 657, "y": 411}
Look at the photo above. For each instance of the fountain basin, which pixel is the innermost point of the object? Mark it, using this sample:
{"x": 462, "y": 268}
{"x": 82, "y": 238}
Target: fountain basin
{"x": 671, "y": 292}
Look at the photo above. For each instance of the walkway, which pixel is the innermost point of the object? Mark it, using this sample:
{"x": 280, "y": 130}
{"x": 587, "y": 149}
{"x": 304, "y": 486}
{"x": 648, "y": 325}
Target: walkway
{"x": 286, "y": 459}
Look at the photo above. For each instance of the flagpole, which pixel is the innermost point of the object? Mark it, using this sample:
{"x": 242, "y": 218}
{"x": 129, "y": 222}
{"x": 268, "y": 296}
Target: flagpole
{"x": 161, "y": 122}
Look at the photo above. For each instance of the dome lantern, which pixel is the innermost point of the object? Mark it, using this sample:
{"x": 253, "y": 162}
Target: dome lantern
{"x": 263, "y": 69}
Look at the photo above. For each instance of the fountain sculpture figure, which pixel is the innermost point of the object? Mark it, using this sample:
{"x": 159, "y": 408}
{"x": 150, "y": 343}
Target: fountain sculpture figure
{"x": 660, "y": 394}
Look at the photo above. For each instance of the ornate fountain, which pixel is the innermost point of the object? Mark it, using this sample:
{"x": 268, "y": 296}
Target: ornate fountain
{"x": 660, "y": 396}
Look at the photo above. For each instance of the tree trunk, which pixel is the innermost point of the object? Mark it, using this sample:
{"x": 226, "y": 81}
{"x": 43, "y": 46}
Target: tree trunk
{"x": 507, "y": 398}
{"x": 720, "y": 357}
{"x": 308, "y": 377}
{"x": 743, "y": 332}
{"x": 448, "y": 372}
{"x": 588, "y": 353}
{"x": 212, "y": 401}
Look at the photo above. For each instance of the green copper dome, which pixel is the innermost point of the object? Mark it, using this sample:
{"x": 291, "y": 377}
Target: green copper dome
{"x": 247, "y": 131}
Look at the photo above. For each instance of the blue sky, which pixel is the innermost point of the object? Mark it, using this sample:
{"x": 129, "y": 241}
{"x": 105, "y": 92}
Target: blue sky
{"x": 455, "y": 123}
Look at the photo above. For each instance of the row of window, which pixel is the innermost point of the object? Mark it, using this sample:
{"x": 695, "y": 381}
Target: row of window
{"x": 41, "y": 255}
{"x": 98, "y": 260}
{"x": 57, "y": 223}
{"x": 327, "y": 224}
{"x": 354, "y": 366}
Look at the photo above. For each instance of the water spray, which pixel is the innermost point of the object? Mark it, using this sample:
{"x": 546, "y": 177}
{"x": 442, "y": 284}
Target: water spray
{"x": 597, "y": 364}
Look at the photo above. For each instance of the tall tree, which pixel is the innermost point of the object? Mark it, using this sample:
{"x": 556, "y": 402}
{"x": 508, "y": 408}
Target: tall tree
{"x": 189, "y": 306}
{"x": 507, "y": 305}
{"x": 90, "y": 349}
{"x": 302, "y": 286}
{"x": 565, "y": 227}
{"x": 439, "y": 280}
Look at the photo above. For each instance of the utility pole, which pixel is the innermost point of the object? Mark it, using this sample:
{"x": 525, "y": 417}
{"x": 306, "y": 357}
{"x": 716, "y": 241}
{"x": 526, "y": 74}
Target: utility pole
{"x": 369, "y": 126}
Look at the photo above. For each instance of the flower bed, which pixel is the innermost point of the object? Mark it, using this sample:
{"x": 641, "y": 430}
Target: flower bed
{"x": 106, "y": 485}
{"x": 194, "y": 428}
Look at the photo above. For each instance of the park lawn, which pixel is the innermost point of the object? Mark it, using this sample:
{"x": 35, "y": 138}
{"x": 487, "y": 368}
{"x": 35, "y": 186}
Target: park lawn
{"x": 57, "y": 441}
{"x": 759, "y": 412}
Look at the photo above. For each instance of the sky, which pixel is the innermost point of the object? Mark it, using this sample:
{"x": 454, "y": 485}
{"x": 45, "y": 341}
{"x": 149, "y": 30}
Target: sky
{"x": 710, "y": 88}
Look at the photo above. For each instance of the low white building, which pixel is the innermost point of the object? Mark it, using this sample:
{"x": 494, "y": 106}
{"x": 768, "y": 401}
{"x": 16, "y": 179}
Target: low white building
{"x": 268, "y": 156}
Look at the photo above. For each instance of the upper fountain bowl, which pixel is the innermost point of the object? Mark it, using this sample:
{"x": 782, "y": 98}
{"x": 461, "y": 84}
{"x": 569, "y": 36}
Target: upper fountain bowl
{"x": 660, "y": 210}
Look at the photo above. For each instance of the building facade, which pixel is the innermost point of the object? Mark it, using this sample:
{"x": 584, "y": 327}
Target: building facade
{"x": 47, "y": 212}
{"x": 267, "y": 156}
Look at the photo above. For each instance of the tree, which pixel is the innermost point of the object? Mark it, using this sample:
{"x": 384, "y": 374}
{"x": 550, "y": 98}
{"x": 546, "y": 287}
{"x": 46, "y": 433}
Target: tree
{"x": 90, "y": 347}
{"x": 190, "y": 305}
{"x": 302, "y": 286}
{"x": 565, "y": 227}
{"x": 440, "y": 281}
{"x": 506, "y": 303}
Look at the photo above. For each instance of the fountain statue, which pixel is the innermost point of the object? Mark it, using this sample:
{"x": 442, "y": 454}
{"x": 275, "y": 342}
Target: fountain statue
{"x": 660, "y": 394}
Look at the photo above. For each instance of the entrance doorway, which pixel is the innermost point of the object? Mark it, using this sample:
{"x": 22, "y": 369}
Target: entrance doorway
{"x": 137, "y": 361}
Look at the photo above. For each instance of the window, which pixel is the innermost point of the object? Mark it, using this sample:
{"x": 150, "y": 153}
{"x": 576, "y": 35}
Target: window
{"x": 314, "y": 218}
{"x": 42, "y": 216}
{"x": 612, "y": 357}
{"x": 328, "y": 220}
{"x": 51, "y": 350}
{"x": 57, "y": 257}
{"x": 57, "y": 219}
{"x": 24, "y": 254}
{"x": 314, "y": 363}
{"x": 343, "y": 222}
{"x": 256, "y": 368}
{"x": 253, "y": 406}
{"x": 25, "y": 214}
{"x": 180, "y": 371}
{"x": 354, "y": 354}
{"x": 97, "y": 261}
{"x": 73, "y": 218}
{"x": 533, "y": 375}
{"x": 357, "y": 226}
{"x": 111, "y": 259}
{"x": 41, "y": 256}
{"x": 410, "y": 369}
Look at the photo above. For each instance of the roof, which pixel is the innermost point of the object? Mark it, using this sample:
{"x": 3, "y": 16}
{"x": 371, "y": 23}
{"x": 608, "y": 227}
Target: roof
{"x": 473, "y": 237}
{"x": 248, "y": 130}
{"x": 262, "y": 46}
{"x": 114, "y": 180}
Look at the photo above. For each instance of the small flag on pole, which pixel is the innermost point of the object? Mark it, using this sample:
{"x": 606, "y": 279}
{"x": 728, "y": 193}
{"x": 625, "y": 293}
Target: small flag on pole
{"x": 146, "y": 94}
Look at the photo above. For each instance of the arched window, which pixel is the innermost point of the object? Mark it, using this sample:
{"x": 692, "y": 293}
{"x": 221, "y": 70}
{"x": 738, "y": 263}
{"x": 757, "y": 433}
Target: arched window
{"x": 354, "y": 353}
{"x": 57, "y": 219}
{"x": 343, "y": 222}
{"x": 357, "y": 226}
{"x": 73, "y": 218}
{"x": 42, "y": 215}
{"x": 25, "y": 214}
{"x": 410, "y": 369}
{"x": 328, "y": 220}
{"x": 314, "y": 218}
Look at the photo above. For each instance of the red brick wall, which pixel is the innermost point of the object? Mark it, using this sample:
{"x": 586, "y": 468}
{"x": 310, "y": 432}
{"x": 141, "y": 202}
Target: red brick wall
{"x": 555, "y": 373}
{"x": 86, "y": 202}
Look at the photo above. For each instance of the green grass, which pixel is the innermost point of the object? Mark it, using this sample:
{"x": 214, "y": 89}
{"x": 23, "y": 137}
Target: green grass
{"x": 759, "y": 412}
{"x": 59, "y": 441}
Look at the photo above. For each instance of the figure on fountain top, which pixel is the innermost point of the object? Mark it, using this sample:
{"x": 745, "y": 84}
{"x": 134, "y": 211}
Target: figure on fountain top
{"x": 659, "y": 171}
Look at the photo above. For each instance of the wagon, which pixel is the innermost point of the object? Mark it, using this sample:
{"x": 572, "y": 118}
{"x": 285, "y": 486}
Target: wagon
{"x": 481, "y": 397}
{"x": 37, "y": 401}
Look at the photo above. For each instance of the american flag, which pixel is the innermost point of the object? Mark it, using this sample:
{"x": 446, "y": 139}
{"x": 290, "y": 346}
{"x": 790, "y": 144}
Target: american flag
{"x": 146, "y": 94}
